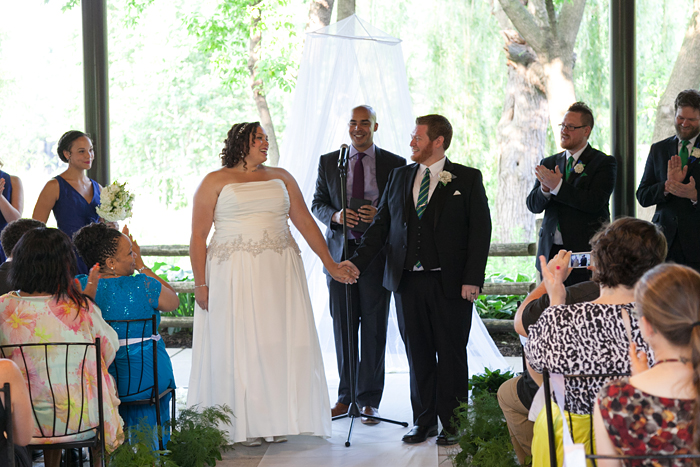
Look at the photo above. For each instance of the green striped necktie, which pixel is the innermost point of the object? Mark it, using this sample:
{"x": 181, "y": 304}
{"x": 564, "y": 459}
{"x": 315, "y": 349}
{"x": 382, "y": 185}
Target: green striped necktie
{"x": 423, "y": 200}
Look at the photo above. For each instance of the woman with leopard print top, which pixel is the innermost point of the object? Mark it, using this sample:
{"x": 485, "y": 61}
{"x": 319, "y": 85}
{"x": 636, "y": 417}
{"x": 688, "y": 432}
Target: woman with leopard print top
{"x": 593, "y": 337}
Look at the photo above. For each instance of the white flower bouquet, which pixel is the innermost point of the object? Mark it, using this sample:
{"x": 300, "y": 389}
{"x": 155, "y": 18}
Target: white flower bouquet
{"x": 115, "y": 203}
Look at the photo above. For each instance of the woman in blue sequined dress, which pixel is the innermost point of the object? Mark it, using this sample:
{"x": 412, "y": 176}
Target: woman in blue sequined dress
{"x": 122, "y": 295}
{"x": 72, "y": 195}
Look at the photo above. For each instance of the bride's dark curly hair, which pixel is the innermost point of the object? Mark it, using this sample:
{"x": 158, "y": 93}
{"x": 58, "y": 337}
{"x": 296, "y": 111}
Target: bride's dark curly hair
{"x": 237, "y": 144}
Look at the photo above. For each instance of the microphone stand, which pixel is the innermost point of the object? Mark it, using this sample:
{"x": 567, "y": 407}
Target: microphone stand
{"x": 353, "y": 409}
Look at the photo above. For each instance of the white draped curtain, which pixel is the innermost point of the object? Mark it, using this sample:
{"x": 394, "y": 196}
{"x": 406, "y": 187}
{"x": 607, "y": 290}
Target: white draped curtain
{"x": 347, "y": 64}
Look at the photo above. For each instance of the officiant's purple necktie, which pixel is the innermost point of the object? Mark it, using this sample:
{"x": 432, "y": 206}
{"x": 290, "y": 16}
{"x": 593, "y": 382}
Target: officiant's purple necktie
{"x": 358, "y": 183}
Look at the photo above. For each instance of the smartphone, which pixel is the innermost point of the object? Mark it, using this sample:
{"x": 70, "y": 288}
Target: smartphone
{"x": 580, "y": 260}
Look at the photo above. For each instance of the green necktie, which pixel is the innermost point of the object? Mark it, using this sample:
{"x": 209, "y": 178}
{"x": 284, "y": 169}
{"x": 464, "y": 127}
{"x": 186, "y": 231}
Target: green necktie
{"x": 422, "y": 202}
{"x": 684, "y": 153}
{"x": 569, "y": 164}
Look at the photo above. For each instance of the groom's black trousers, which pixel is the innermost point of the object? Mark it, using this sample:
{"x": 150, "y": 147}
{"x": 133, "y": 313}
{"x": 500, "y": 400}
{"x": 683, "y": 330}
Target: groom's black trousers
{"x": 370, "y": 304}
{"x": 431, "y": 326}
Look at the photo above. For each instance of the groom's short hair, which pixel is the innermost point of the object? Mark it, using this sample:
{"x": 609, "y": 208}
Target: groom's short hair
{"x": 437, "y": 126}
{"x": 687, "y": 98}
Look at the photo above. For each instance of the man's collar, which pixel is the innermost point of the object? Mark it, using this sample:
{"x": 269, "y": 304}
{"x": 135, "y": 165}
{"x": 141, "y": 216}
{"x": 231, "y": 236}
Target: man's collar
{"x": 368, "y": 153}
{"x": 577, "y": 154}
{"x": 692, "y": 140}
{"x": 436, "y": 168}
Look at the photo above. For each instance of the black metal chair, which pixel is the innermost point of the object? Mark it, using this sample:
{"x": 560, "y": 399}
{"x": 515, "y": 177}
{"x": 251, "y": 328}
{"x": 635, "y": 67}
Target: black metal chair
{"x": 74, "y": 356}
{"x": 550, "y": 417}
{"x": 7, "y": 429}
{"x": 147, "y": 330}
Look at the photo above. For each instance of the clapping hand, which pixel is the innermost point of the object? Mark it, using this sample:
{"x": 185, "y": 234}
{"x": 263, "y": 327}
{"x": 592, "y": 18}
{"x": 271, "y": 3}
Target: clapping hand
{"x": 549, "y": 179}
{"x": 345, "y": 272}
{"x": 554, "y": 280}
{"x": 93, "y": 279}
{"x": 639, "y": 362}
{"x": 675, "y": 171}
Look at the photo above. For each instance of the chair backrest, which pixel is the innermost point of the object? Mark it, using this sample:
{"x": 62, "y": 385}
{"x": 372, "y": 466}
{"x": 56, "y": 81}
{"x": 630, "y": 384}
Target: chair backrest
{"x": 7, "y": 428}
{"x": 139, "y": 333}
{"x": 64, "y": 392}
{"x": 550, "y": 416}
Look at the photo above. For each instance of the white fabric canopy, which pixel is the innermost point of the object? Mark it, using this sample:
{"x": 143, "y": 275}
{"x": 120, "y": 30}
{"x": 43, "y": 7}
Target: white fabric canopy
{"x": 347, "y": 64}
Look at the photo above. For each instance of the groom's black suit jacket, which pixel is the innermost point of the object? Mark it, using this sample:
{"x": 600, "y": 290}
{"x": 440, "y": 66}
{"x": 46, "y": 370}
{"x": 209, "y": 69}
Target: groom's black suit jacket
{"x": 327, "y": 200}
{"x": 581, "y": 206}
{"x": 678, "y": 217}
{"x": 461, "y": 229}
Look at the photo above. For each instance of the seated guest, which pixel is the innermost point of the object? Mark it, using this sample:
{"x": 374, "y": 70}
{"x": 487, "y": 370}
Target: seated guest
{"x": 592, "y": 337}
{"x": 47, "y": 306}
{"x": 9, "y": 237}
{"x": 515, "y": 395}
{"x": 655, "y": 411}
{"x": 21, "y": 411}
{"x": 122, "y": 295}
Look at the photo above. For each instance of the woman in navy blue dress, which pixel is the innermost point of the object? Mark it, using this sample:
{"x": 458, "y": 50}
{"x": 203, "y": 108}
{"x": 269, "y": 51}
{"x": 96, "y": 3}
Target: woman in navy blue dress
{"x": 72, "y": 195}
{"x": 11, "y": 203}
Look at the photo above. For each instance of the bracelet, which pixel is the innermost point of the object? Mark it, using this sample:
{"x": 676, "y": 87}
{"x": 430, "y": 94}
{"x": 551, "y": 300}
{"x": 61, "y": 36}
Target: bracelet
{"x": 201, "y": 285}
{"x": 140, "y": 270}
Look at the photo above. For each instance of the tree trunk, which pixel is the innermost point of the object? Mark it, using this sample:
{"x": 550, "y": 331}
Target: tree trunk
{"x": 319, "y": 14}
{"x": 345, "y": 8}
{"x": 685, "y": 75}
{"x": 256, "y": 85}
{"x": 520, "y": 136}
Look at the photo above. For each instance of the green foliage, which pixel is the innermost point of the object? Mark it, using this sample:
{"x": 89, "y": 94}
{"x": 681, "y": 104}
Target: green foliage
{"x": 483, "y": 432}
{"x": 196, "y": 439}
{"x": 489, "y": 382}
{"x": 171, "y": 273}
{"x": 500, "y": 306}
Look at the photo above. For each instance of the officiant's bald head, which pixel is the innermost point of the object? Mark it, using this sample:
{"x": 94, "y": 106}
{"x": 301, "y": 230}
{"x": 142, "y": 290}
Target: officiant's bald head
{"x": 362, "y": 125}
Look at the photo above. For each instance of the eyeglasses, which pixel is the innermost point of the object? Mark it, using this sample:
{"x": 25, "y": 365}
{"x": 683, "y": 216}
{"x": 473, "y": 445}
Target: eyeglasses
{"x": 570, "y": 127}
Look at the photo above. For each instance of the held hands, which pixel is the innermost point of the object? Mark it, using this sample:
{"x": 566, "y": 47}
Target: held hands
{"x": 345, "y": 272}
{"x": 470, "y": 292}
{"x": 554, "y": 281}
{"x": 351, "y": 217}
{"x": 639, "y": 362}
{"x": 549, "y": 179}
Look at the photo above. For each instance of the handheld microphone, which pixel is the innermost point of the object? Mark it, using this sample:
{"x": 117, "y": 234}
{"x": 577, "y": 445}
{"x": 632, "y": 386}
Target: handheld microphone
{"x": 343, "y": 158}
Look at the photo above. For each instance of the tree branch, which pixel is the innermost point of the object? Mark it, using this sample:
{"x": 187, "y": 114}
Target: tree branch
{"x": 552, "y": 18}
{"x": 525, "y": 23}
{"x": 570, "y": 18}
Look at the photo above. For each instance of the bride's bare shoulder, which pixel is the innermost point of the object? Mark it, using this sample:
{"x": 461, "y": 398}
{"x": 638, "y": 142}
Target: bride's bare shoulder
{"x": 217, "y": 179}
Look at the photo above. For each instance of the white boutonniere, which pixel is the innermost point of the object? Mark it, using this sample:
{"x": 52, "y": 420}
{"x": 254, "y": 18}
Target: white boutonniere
{"x": 579, "y": 168}
{"x": 695, "y": 153}
{"x": 445, "y": 177}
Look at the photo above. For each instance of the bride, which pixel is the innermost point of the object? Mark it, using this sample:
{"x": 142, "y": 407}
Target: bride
{"x": 255, "y": 346}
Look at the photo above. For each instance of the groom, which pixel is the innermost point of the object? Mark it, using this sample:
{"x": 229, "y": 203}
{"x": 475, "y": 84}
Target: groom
{"x": 434, "y": 219}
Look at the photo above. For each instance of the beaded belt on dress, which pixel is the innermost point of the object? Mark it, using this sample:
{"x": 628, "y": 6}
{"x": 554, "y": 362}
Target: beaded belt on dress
{"x": 224, "y": 249}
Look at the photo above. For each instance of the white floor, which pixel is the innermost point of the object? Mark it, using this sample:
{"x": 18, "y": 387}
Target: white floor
{"x": 379, "y": 445}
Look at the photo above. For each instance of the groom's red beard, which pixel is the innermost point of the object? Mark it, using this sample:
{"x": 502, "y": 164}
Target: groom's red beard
{"x": 422, "y": 155}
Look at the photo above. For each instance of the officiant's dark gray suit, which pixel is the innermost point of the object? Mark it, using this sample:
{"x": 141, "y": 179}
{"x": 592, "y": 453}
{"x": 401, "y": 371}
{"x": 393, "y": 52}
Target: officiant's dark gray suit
{"x": 370, "y": 301}
{"x": 451, "y": 240}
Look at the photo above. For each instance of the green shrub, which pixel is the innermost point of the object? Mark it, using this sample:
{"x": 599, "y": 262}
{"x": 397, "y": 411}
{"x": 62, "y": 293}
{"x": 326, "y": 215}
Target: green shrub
{"x": 488, "y": 382}
{"x": 500, "y": 306}
{"x": 171, "y": 273}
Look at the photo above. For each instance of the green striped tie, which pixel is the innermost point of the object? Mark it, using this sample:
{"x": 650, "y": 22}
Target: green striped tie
{"x": 423, "y": 200}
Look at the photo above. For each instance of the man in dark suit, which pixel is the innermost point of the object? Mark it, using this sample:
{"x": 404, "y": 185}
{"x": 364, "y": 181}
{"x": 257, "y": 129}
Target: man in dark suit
{"x": 368, "y": 171}
{"x": 573, "y": 189}
{"x": 435, "y": 224}
{"x": 669, "y": 182}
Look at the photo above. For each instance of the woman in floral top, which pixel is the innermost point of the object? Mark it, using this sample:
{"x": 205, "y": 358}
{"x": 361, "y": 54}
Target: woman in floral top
{"x": 655, "y": 411}
{"x": 47, "y": 306}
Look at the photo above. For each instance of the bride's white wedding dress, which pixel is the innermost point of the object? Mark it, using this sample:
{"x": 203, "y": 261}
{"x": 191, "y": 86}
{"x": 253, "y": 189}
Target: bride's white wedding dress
{"x": 256, "y": 349}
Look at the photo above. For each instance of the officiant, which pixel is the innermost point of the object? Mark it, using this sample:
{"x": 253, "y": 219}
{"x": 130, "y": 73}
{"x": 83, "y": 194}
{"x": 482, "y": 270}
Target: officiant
{"x": 368, "y": 171}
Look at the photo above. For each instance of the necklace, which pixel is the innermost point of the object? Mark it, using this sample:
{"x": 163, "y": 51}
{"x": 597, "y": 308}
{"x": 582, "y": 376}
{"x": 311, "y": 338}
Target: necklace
{"x": 669, "y": 360}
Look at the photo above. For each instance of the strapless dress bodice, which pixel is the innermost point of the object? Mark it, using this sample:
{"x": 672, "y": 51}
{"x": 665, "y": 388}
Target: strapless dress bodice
{"x": 253, "y": 217}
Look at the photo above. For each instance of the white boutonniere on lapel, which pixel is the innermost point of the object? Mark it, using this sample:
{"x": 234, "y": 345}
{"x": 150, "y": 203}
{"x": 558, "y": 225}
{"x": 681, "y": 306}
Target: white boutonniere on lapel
{"x": 579, "y": 168}
{"x": 445, "y": 177}
{"x": 694, "y": 154}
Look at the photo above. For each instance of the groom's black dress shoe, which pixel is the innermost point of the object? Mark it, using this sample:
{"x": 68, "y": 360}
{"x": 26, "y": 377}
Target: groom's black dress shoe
{"x": 418, "y": 434}
{"x": 444, "y": 439}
